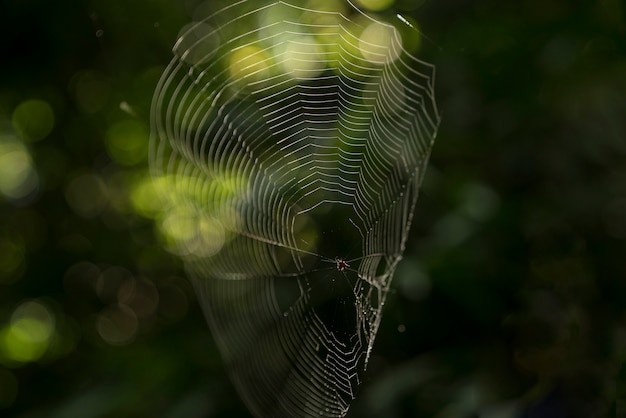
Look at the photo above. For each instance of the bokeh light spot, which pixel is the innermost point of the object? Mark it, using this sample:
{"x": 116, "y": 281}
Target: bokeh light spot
{"x": 413, "y": 281}
{"x": 117, "y": 325}
{"x": 377, "y": 43}
{"x": 33, "y": 120}
{"x": 376, "y": 5}
{"x": 87, "y": 195}
{"x": 91, "y": 91}
{"x": 109, "y": 282}
{"x": 187, "y": 232}
{"x": 248, "y": 62}
{"x": 333, "y": 6}
{"x": 303, "y": 57}
{"x": 140, "y": 295}
{"x": 18, "y": 178}
{"x": 127, "y": 142}
{"x": 145, "y": 196}
{"x": 12, "y": 250}
{"x": 210, "y": 237}
{"x": 451, "y": 230}
{"x": 479, "y": 202}
{"x": 179, "y": 226}
{"x": 33, "y": 321}
{"x": 28, "y": 334}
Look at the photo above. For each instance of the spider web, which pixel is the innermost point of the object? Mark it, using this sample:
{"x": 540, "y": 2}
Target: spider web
{"x": 294, "y": 139}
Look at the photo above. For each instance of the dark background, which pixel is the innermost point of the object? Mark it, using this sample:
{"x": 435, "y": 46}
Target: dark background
{"x": 512, "y": 293}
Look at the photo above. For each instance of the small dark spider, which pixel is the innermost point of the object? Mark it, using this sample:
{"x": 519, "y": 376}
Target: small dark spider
{"x": 341, "y": 264}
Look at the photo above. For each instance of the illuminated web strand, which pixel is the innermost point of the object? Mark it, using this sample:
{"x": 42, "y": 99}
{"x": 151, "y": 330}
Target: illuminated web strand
{"x": 304, "y": 140}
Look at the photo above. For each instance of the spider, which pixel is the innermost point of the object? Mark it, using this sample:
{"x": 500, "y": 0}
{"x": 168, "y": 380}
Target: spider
{"x": 341, "y": 264}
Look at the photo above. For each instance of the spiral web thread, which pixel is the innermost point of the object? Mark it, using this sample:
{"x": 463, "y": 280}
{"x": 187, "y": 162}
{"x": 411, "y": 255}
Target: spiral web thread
{"x": 291, "y": 140}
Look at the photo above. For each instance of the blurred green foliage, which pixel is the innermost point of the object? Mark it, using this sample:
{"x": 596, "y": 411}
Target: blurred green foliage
{"x": 513, "y": 288}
